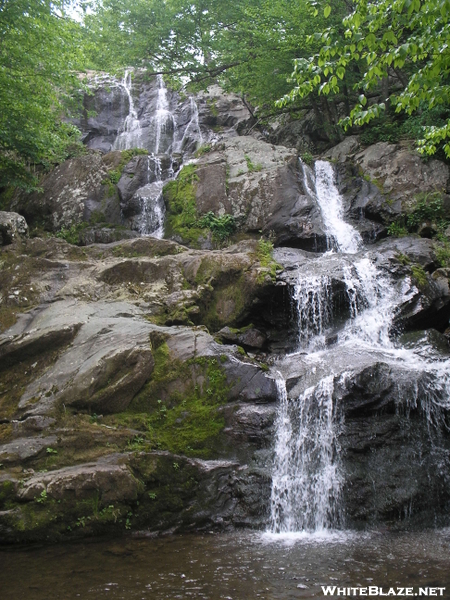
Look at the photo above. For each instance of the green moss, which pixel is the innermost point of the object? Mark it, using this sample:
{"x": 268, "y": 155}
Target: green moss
{"x": 178, "y": 409}
{"x": 403, "y": 259}
{"x": 420, "y": 276}
{"x": 250, "y": 166}
{"x": 227, "y": 304}
{"x": 264, "y": 254}
{"x": 442, "y": 251}
{"x": 7, "y": 493}
{"x": 179, "y": 196}
{"x": 203, "y": 150}
{"x": 52, "y": 520}
{"x": 171, "y": 489}
{"x": 114, "y": 175}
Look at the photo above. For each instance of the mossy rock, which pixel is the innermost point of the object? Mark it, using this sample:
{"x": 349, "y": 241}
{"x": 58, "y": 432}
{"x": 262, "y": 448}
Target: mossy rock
{"x": 178, "y": 409}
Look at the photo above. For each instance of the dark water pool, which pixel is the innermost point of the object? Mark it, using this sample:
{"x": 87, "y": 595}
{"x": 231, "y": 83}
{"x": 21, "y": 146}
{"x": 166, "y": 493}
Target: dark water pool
{"x": 238, "y": 566}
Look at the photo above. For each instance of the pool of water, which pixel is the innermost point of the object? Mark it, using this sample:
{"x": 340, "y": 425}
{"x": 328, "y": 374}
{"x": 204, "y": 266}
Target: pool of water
{"x": 236, "y": 566}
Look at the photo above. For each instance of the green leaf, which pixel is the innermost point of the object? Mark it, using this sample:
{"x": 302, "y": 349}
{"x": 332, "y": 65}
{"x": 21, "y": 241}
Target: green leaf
{"x": 327, "y": 11}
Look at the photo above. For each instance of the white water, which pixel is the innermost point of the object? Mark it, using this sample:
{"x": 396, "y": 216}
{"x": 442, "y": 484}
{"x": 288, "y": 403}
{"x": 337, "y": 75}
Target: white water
{"x": 193, "y": 130}
{"x": 307, "y": 474}
{"x": 307, "y": 477}
{"x": 161, "y": 137}
{"x": 342, "y": 236}
{"x": 163, "y": 120}
{"x": 130, "y": 137}
{"x": 313, "y": 308}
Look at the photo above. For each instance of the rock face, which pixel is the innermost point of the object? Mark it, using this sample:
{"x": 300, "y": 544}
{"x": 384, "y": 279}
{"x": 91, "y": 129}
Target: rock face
{"x": 122, "y": 411}
{"x": 75, "y": 191}
{"x": 260, "y": 186}
{"x": 140, "y": 377}
{"x": 12, "y": 227}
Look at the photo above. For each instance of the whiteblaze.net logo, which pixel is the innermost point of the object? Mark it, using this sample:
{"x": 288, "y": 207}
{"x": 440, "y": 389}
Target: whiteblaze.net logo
{"x": 374, "y": 590}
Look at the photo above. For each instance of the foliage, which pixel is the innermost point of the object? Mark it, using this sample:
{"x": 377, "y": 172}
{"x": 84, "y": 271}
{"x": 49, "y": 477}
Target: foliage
{"x": 442, "y": 251}
{"x": 247, "y": 45}
{"x": 264, "y": 253}
{"x": 397, "y": 229}
{"x": 419, "y": 275}
{"x": 40, "y": 53}
{"x": 307, "y": 158}
{"x": 427, "y": 208}
{"x": 71, "y": 234}
{"x": 182, "y": 218}
{"x": 222, "y": 227}
{"x": 250, "y": 166}
{"x": 393, "y": 53}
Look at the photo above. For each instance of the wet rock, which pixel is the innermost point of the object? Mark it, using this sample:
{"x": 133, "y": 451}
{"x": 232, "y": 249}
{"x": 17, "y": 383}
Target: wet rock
{"x": 103, "y": 113}
{"x": 12, "y": 227}
{"x": 135, "y": 175}
{"x": 366, "y": 206}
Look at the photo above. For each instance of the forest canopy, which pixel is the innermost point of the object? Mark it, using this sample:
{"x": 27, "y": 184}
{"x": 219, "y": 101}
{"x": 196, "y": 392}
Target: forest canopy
{"x": 383, "y": 64}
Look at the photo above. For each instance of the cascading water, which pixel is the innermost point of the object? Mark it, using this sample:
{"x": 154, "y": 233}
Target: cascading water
{"x": 307, "y": 477}
{"x": 192, "y": 131}
{"x": 164, "y": 121}
{"x": 161, "y": 135}
{"x": 307, "y": 474}
{"x": 130, "y": 137}
{"x": 342, "y": 236}
{"x": 311, "y": 300}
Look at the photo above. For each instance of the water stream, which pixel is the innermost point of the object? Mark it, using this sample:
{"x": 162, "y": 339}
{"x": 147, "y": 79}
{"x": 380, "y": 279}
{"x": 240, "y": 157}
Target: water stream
{"x": 162, "y": 137}
{"x": 307, "y": 472}
{"x": 130, "y": 136}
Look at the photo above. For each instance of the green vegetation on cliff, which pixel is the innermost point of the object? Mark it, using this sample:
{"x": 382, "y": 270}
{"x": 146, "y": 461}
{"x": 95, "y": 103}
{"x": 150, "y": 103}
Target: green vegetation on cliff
{"x": 178, "y": 409}
{"x": 182, "y": 220}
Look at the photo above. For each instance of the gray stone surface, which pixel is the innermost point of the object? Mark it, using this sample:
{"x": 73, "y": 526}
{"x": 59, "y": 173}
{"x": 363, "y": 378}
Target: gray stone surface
{"x": 72, "y": 193}
{"x": 259, "y": 185}
{"x": 12, "y": 227}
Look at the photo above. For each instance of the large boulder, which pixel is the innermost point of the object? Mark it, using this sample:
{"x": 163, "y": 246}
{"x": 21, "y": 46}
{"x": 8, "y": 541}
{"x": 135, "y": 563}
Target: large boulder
{"x": 12, "y": 227}
{"x": 76, "y": 191}
{"x": 258, "y": 184}
{"x": 402, "y": 174}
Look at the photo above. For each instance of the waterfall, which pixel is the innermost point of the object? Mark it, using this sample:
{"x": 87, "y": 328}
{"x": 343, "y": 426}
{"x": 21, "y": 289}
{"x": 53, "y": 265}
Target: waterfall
{"x": 311, "y": 299}
{"x": 193, "y": 130}
{"x": 342, "y": 236}
{"x": 308, "y": 477}
{"x": 164, "y": 121}
{"x": 130, "y": 137}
